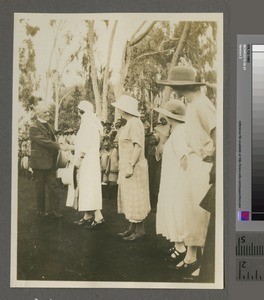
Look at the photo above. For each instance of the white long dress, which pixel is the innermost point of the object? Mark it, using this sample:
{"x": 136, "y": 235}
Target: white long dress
{"x": 89, "y": 177}
{"x": 173, "y": 193}
{"x": 200, "y": 120}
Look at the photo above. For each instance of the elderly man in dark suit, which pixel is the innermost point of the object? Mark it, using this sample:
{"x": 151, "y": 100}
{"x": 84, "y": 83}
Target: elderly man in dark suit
{"x": 44, "y": 151}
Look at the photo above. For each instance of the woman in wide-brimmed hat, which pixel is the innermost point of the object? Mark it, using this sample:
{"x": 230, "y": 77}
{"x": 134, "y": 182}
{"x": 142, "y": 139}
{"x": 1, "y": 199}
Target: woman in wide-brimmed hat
{"x": 200, "y": 124}
{"x": 133, "y": 194}
{"x": 173, "y": 192}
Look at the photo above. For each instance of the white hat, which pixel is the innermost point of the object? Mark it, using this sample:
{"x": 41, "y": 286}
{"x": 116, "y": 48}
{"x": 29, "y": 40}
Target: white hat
{"x": 173, "y": 109}
{"x": 66, "y": 174}
{"x": 62, "y": 159}
{"x": 127, "y": 104}
{"x": 86, "y": 106}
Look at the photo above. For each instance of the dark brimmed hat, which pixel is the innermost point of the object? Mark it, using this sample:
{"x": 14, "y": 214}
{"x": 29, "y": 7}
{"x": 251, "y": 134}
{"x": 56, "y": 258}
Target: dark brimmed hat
{"x": 173, "y": 109}
{"x": 181, "y": 76}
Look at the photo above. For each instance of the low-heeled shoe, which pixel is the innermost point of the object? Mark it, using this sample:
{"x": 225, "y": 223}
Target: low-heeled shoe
{"x": 125, "y": 234}
{"x": 134, "y": 237}
{"x": 96, "y": 224}
{"x": 83, "y": 222}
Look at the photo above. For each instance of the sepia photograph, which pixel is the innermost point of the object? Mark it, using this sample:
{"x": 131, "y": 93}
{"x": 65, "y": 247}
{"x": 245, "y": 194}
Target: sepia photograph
{"x": 117, "y": 151}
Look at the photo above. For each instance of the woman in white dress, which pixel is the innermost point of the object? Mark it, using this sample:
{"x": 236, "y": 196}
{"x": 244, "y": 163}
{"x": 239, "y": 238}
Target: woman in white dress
{"x": 87, "y": 163}
{"x": 173, "y": 193}
{"x": 201, "y": 138}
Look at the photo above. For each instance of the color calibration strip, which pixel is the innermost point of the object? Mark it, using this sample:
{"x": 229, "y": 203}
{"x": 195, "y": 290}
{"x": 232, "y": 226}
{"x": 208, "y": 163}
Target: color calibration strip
{"x": 257, "y": 212}
{"x": 250, "y": 133}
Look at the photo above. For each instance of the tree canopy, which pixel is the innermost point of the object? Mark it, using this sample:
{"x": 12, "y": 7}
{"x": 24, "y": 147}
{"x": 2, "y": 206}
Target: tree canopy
{"x": 148, "y": 54}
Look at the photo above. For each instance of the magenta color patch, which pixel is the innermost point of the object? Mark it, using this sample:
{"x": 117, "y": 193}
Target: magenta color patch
{"x": 243, "y": 215}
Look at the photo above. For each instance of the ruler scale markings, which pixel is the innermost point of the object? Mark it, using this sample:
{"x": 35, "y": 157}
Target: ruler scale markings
{"x": 250, "y": 256}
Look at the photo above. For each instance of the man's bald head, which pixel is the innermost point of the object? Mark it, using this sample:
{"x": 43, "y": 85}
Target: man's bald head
{"x": 42, "y": 111}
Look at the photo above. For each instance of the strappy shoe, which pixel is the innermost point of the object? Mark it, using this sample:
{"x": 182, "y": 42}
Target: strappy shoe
{"x": 169, "y": 251}
{"x": 96, "y": 224}
{"x": 177, "y": 256}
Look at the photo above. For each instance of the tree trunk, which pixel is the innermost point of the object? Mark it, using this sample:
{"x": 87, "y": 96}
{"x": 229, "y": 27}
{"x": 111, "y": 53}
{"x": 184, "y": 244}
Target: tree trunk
{"x": 106, "y": 75}
{"x": 176, "y": 56}
{"x": 48, "y": 75}
{"x": 56, "y": 122}
{"x": 93, "y": 68}
{"x": 126, "y": 58}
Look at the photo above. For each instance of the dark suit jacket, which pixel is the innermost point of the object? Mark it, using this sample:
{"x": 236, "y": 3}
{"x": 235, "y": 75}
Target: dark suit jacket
{"x": 44, "y": 148}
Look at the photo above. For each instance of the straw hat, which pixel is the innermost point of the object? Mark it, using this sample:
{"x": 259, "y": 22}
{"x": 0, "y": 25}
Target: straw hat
{"x": 173, "y": 109}
{"x": 66, "y": 174}
{"x": 62, "y": 159}
{"x": 127, "y": 104}
{"x": 181, "y": 76}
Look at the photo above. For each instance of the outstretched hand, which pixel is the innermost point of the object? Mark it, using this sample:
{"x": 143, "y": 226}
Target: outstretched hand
{"x": 65, "y": 147}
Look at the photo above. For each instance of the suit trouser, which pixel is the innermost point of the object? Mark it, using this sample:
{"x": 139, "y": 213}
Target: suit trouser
{"x": 43, "y": 178}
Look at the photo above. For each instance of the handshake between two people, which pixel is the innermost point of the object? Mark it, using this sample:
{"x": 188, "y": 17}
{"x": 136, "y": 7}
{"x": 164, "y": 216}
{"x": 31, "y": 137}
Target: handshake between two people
{"x": 76, "y": 160}
{"x": 66, "y": 147}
